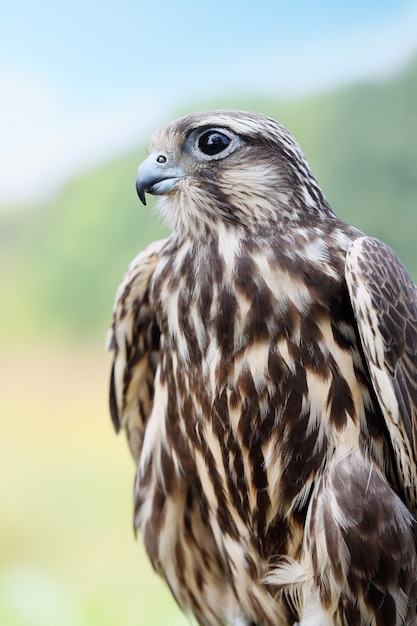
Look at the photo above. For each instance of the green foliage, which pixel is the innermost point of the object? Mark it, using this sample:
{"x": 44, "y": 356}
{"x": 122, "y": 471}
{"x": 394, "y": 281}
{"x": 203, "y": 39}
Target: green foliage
{"x": 61, "y": 262}
{"x": 69, "y": 255}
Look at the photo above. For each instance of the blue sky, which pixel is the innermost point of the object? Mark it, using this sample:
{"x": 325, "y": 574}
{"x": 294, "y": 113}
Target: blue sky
{"x": 80, "y": 80}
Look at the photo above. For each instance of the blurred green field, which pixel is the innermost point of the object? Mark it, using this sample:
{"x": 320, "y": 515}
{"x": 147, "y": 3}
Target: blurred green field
{"x": 68, "y": 555}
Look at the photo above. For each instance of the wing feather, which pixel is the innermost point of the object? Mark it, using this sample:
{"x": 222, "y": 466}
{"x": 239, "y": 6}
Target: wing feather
{"x": 134, "y": 340}
{"x": 384, "y": 301}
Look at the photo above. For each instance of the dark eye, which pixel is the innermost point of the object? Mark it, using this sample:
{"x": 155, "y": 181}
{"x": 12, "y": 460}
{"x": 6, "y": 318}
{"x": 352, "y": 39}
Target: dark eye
{"x": 213, "y": 142}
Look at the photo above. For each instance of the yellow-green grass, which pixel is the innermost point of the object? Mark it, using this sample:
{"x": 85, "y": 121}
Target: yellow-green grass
{"x": 68, "y": 555}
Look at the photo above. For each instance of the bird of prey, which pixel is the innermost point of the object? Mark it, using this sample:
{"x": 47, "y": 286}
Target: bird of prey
{"x": 265, "y": 373}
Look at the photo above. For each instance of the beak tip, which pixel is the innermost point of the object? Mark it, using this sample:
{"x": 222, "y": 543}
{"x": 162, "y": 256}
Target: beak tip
{"x": 141, "y": 193}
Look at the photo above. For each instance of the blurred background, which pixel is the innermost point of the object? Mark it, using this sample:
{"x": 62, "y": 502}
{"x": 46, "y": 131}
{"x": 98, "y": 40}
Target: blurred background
{"x": 83, "y": 85}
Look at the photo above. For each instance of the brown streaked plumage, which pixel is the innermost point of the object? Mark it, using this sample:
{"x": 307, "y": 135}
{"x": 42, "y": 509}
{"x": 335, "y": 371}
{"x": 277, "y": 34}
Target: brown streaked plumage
{"x": 265, "y": 371}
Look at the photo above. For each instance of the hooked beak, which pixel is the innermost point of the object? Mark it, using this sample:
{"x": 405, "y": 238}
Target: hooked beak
{"x": 157, "y": 175}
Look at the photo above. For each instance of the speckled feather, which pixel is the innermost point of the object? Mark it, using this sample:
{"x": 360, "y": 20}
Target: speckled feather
{"x": 268, "y": 393}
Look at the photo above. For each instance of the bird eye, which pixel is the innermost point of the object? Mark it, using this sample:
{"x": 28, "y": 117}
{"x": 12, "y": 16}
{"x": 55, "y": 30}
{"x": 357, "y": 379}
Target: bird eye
{"x": 213, "y": 142}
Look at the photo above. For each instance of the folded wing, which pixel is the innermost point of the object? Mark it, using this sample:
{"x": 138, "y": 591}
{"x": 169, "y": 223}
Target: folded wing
{"x": 384, "y": 301}
{"x": 134, "y": 340}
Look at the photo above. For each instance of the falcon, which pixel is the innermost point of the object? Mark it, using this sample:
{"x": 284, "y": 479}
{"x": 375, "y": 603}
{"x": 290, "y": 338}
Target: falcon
{"x": 265, "y": 373}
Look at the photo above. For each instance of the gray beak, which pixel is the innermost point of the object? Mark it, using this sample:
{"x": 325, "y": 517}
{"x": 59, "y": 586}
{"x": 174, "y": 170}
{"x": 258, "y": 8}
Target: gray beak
{"x": 157, "y": 175}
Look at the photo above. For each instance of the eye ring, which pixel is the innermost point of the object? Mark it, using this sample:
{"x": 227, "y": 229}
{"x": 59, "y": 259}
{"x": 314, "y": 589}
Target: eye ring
{"x": 213, "y": 142}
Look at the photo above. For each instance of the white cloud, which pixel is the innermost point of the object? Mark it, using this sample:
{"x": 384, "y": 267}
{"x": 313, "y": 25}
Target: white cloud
{"x": 328, "y": 59}
{"x": 43, "y": 141}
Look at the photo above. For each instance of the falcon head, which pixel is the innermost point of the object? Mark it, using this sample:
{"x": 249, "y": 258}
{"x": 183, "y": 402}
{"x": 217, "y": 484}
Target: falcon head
{"x": 233, "y": 167}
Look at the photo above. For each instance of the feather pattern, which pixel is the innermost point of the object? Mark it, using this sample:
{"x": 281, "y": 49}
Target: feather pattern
{"x": 134, "y": 340}
{"x": 385, "y": 303}
{"x": 265, "y": 373}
